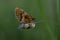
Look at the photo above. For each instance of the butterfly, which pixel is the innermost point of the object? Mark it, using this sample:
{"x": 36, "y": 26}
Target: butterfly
{"x": 26, "y": 20}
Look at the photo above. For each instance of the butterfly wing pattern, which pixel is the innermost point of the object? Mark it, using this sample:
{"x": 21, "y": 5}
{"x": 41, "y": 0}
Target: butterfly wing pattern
{"x": 26, "y": 20}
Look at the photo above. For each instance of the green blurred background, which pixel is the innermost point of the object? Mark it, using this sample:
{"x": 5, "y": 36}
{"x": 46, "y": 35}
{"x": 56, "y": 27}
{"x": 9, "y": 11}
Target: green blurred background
{"x": 40, "y": 9}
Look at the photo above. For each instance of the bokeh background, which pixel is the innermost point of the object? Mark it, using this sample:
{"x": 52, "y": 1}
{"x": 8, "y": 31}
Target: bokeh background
{"x": 45, "y": 11}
